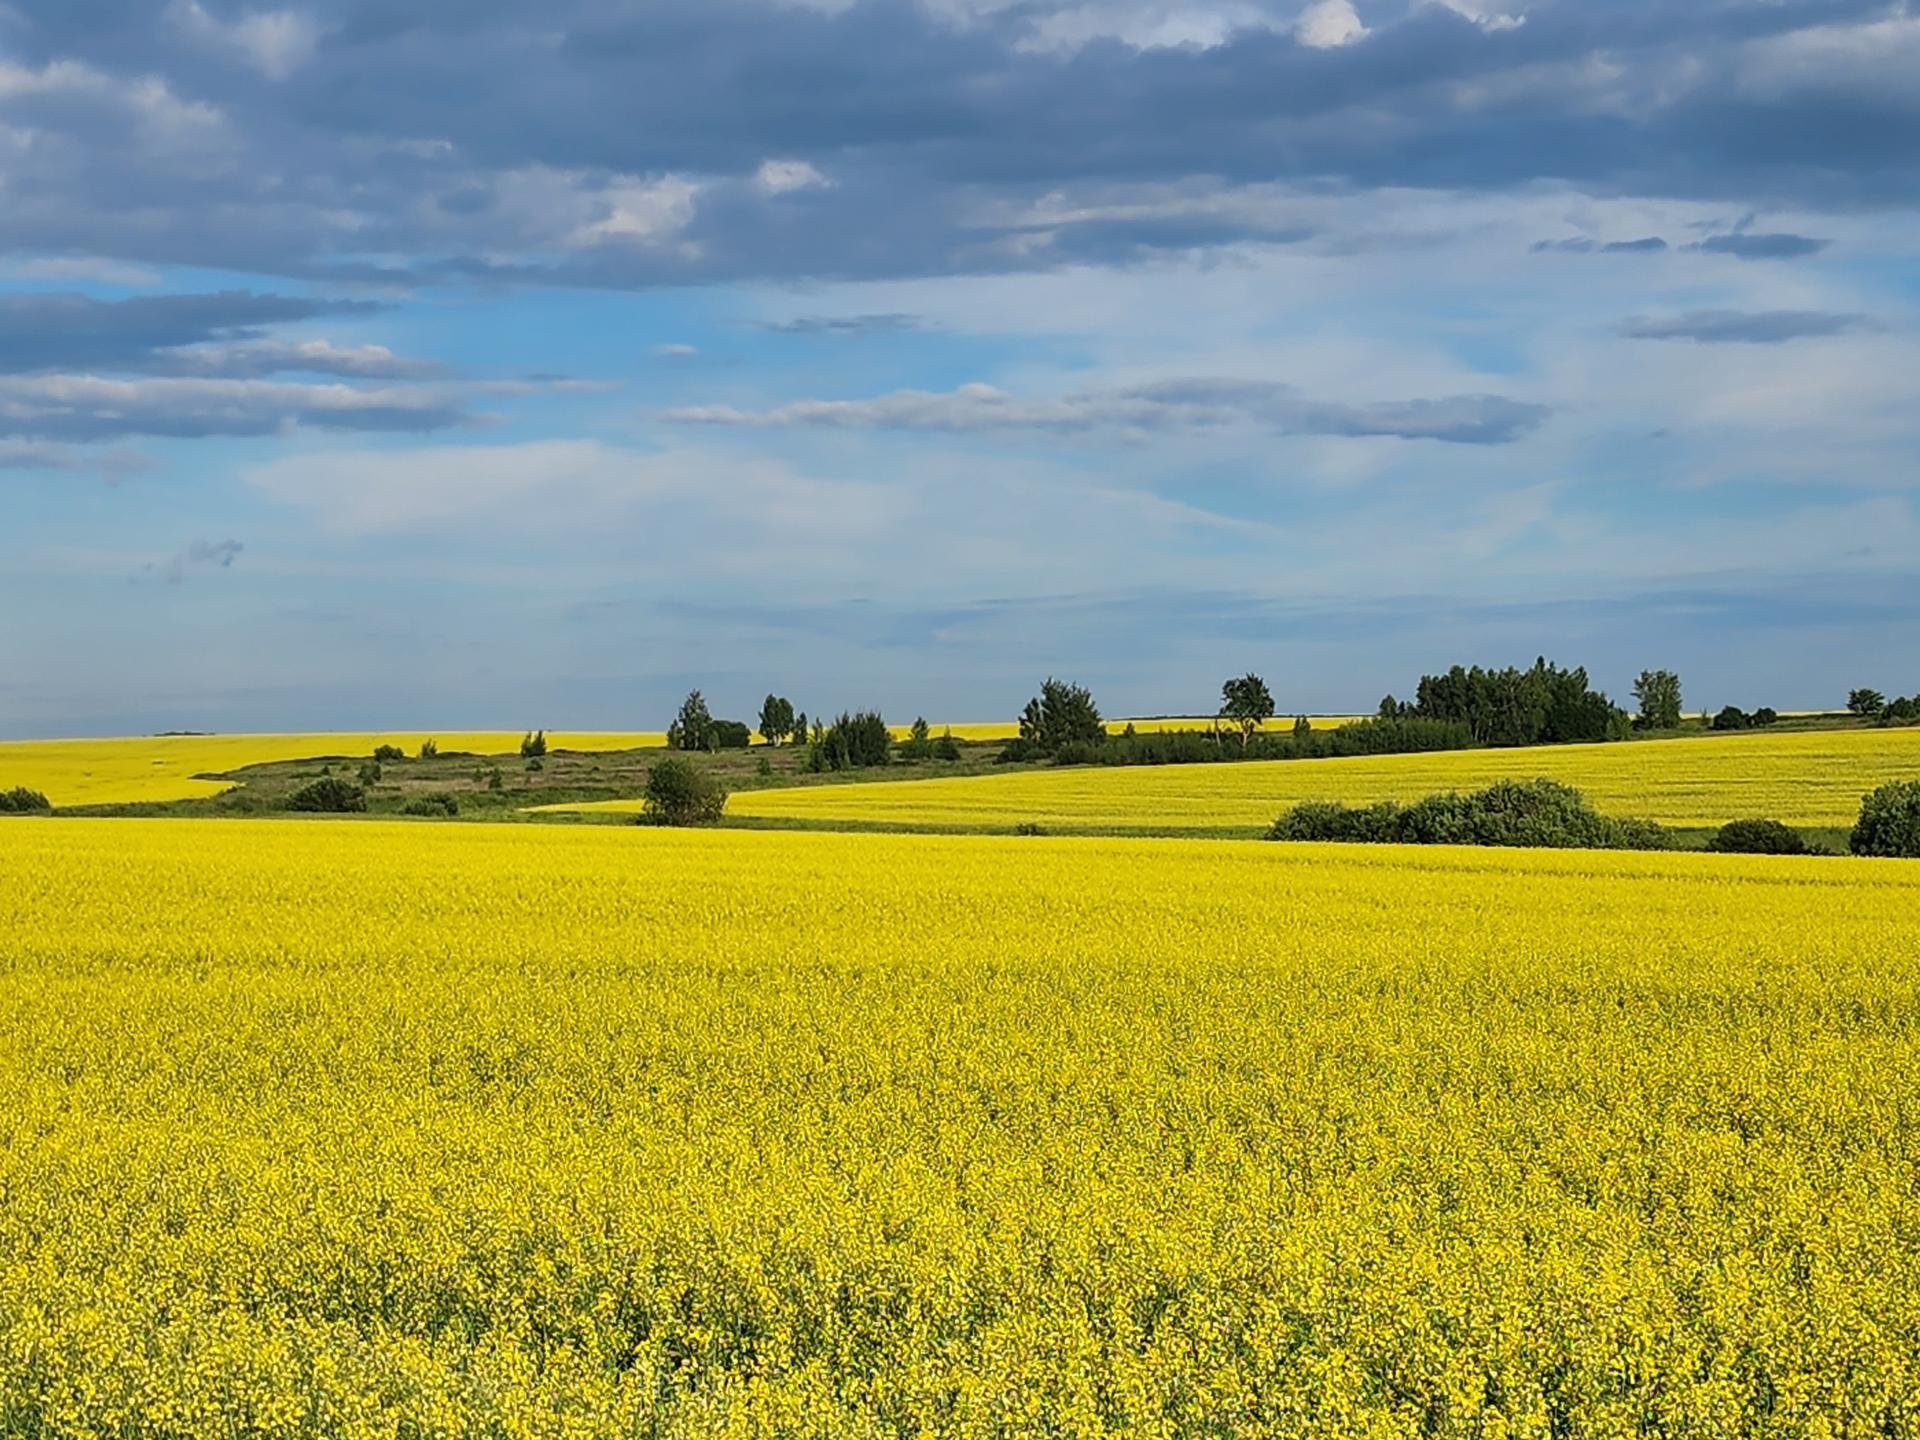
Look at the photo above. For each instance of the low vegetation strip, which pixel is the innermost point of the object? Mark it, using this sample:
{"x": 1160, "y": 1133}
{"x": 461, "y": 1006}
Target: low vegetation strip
{"x": 1810, "y": 778}
{"x": 457, "y": 1130}
{"x": 161, "y": 767}
{"x": 1522, "y": 814}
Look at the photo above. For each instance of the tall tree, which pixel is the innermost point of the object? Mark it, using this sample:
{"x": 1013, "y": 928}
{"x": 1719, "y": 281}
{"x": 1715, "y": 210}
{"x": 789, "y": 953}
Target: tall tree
{"x": 1866, "y": 702}
{"x": 776, "y": 719}
{"x": 1246, "y": 704}
{"x": 1658, "y": 693}
{"x": 1061, "y": 714}
{"x": 692, "y": 729}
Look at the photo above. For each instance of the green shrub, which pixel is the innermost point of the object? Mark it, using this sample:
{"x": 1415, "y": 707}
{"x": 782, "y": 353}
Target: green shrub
{"x": 946, "y": 747}
{"x": 680, "y": 793}
{"x": 854, "y": 742}
{"x": 533, "y": 744}
{"x": 429, "y": 749}
{"x": 1765, "y": 715}
{"x": 495, "y": 780}
{"x": 729, "y": 735}
{"x": 1889, "y": 822}
{"x": 1528, "y": 813}
{"x": 1029, "y": 827}
{"x": 1758, "y": 837}
{"x": 919, "y": 742}
{"x": 22, "y": 801}
{"x": 370, "y": 773}
{"x": 385, "y": 753}
{"x": 329, "y": 795}
{"x": 1731, "y": 718}
{"x": 1322, "y": 820}
{"x": 433, "y": 806}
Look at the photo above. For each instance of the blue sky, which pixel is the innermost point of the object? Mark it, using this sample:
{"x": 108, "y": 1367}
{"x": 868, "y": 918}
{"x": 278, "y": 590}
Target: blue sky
{"x": 457, "y": 362}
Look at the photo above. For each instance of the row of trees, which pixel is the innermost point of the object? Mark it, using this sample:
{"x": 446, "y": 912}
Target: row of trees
{"x": 1544, "y": 705}
{"x": 1872, "y": 705}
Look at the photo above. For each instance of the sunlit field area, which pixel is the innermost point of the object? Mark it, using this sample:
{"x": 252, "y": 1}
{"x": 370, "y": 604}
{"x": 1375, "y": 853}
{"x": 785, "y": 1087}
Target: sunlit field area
{"x": 163, "y": 767}
{"x": 374, "y": 1129}
{"x": 1810, "y": 778}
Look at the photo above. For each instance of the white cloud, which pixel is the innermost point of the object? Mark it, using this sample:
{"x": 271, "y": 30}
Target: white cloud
{"x": 1879, "y": 59}
{"x": 274, "y": 42}
{"x": 640, "y": 212}
{"x": 1489, "y": 14}
{"x": 257, "y": 358}
{"x": 93, "y": 407}
{"x": 782, "y": 177}
{"x": 1146, "y": 24}
{"x": 1329, "y": 23}
{"x": 676, "y": 351}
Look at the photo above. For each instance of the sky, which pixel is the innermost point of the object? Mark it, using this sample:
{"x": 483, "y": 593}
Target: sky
{"x": 371, "y": 363}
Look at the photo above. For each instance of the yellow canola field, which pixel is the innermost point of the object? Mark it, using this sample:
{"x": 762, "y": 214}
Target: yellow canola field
{"x": 366, "y": 1129}
{"x": 162, "y": 767}
{"x": 1805, "y": 778}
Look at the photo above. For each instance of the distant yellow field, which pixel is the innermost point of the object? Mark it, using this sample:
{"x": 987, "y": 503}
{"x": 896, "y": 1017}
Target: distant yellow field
{"x": 1808, "y": 778}
{"x": 162, "y": 767}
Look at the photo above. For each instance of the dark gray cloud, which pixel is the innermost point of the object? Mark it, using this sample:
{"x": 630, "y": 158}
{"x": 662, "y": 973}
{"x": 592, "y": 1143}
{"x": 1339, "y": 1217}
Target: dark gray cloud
{"x": 42, "y": 332}
{"x": 1581, "y": 245}
{"x": 1752, "y": 327}
{"x": 1745, "y": 246}
{"x": 342, "y": 139}
{"x": 844, "y": 325}
{"x": 1172, "y": 405}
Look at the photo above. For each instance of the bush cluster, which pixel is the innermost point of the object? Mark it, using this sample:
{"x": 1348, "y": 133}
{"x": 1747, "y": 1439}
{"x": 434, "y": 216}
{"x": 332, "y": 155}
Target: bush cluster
{"x": 729, "y": 735}
{"x": 1889, "y": 822}
{"x": 1758, "y": 837}
{"x": 22, "y": 801}
{"x": 384, "y": 753}
{"x": 695, "y": 728}
{"x": 432, "y": 806}
{"x": 1733, "y": 717}
{"x": 329, "y": 795}
{"x": 1531, "y": 813}
{"x": 681, "y": 793}
{"x": 853, "y": 742}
